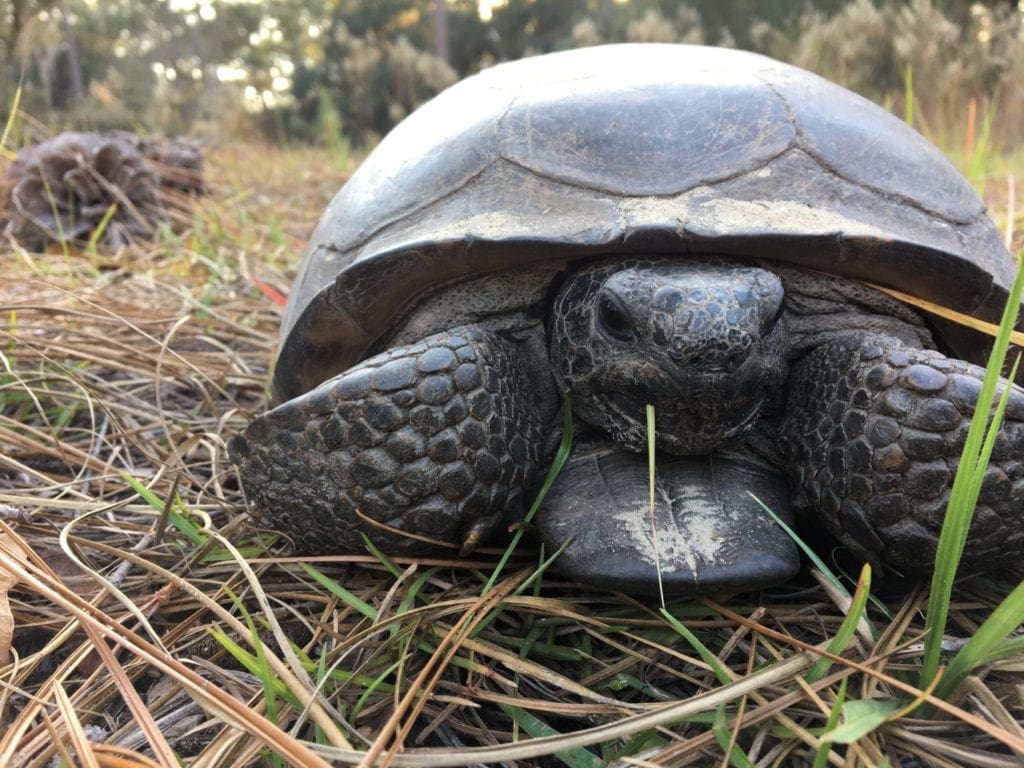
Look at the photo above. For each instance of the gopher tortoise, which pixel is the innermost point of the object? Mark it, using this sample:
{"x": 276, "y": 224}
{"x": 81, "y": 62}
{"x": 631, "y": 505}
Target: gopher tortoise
{"x": 685, "y": 227}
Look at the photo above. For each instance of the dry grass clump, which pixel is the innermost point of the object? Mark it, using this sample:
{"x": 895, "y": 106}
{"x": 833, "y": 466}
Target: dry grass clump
{"x": 151, "y": 622}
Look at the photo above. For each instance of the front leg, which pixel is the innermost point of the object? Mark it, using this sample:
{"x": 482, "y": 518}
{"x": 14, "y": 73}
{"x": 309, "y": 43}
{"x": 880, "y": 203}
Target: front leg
{"x": 437, "y": 439}
{"x": 873, "y": 434}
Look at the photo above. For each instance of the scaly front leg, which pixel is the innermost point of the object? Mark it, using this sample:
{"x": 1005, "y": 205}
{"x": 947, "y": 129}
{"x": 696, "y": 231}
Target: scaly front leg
{"x": 437, "y": 439}
{"x": 873, "y": 434}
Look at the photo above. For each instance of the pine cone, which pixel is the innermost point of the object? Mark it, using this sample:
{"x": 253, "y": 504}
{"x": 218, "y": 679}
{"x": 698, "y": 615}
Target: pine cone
{"x": 61, "y": 190}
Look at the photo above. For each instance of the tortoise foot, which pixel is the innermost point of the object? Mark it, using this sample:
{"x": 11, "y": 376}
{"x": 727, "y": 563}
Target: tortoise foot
{"x": 874, "y": 433}
{"x": 432, "y": 442}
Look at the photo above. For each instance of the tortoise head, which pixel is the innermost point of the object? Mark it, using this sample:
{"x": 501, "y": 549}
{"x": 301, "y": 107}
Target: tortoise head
{"x": 704, "y": 342}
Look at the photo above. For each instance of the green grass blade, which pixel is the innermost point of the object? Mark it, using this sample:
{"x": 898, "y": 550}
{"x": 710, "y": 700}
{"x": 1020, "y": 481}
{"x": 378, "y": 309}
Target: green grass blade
{"x": 651, "y": 445}
{"x": 186, "y": 527}
{"x": 541, "y": 569}
{"x": 720, "y": 728}
{"x": 723, "y": 674}
{"x": 377, "y": 682}
{"x": 536, "y": 728}
{"x": 341, "y": 593}
{"x": 810, "y": 553}
{"x": 978, "y": 476}
{"x": 963, "y": 496}
{"x": 9, "y": 125}
{"x": 977, "y": 161}
{"x": 985, "y": 641}
{"x": 411, "y": 594}
{"x": 849, "y": 625}
{"x": 261, "y": 668}
{"x": 534, "y": 578}
{"x": 332, "y": 131}
{"x": 319, "y": 736}
{"x": 821, "y": 758}
{"x": 97, "y": 233}
{"x": 1011, "y": 647}
{"x": 58, "y": 222}
{"x": 384, "y": 560}
{"x": 650, "y": 458}
{"x": 252, "y": 665}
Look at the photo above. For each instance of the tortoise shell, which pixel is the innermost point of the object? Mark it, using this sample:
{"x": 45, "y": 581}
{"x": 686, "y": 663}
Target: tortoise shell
{"x": 628, "y": 149}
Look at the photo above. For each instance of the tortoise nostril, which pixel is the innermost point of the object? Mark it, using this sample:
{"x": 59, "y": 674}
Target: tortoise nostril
{"x": 613, "y": 317}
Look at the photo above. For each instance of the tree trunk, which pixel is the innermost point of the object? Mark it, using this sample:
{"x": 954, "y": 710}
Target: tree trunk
{"x": 441, "y": 30}
{"x": 74, "y": 66}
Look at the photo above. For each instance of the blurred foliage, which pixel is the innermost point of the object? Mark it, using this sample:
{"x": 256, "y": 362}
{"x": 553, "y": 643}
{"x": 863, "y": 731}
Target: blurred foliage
{"x": 220, "y": 67}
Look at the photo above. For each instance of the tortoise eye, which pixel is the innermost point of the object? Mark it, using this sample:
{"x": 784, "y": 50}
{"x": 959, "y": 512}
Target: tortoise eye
{"x": 613, "y": 317}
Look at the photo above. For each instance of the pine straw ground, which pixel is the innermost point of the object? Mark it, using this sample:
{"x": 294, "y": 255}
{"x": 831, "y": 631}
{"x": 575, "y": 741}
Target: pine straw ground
{"x": 153, "y": 623}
